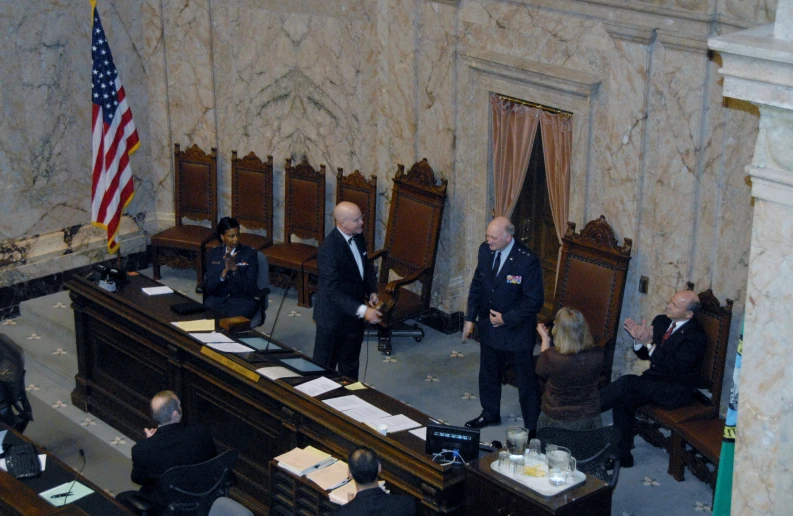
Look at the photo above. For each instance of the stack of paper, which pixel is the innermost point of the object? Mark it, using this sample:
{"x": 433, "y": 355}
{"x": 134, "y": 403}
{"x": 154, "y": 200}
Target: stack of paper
{"x": 300, "y": 462}
{"x": 276, "y": 372}
{"x": 331, "y": 477}
{"x": 356, "y": 408}
{"x": 198, "y": 325}
{"x": 212, "y": 337}
{"x": 347, "y": 492}
{"x": 395, "y": 423}
{"x": 319, "y": 386}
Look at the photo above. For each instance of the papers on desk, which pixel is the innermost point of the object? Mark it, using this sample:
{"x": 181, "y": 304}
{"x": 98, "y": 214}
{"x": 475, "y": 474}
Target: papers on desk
{"x": 421, "y": 433}
{"x": 193, "y": 326}
{"x": 346, "y": 492}
{"x": 230, "y": 347}
{"x": 309, "y": 459}
{"x": 356, "y": 408}
{"x": 395, "y": 423}
{"x": 212, "y": 337}
{"x": 76, "y": 491}
{"x": 357, "y": 386}
{"x": 276, "y": 372}
{"x": 319, "y": 386}
{"x": 42, "y": 461}
{"x": 157, "y": 291}
{"x": 331, "y": 477}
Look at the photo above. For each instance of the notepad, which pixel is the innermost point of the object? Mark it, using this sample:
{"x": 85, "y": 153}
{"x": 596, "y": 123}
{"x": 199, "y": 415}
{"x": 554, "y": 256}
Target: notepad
{"x": 319, "y": 386}
{"x": 276, "y": 372}
{"x": 301, "y": 461}
{"x": 157, "y": 291}
{"x": 193, "y": 326}
{"x": 395, "y": 423}
{"x": 330, "y": 477}
{"x": 76, "y": 489}
{"x": 212, "y": 337}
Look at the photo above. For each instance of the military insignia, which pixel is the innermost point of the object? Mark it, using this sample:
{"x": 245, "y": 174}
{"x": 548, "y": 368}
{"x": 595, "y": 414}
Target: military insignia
{"x": 514, "y": 279}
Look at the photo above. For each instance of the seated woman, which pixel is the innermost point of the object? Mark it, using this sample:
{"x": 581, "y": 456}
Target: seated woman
{"x": 570, "y": 370}
{"x": 231, "y": 274}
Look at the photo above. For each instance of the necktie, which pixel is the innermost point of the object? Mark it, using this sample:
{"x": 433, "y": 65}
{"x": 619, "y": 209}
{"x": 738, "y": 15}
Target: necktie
{"x": 668, "y": 332}
{"x": 496, "y": 265}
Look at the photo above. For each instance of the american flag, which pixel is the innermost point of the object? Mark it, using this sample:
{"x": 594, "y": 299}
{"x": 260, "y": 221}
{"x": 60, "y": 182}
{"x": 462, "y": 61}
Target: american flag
{"x": 114, "y": 139}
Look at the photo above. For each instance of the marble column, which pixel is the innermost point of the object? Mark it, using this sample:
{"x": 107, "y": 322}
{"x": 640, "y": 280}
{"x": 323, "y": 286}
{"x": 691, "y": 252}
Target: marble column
{"x": 758, "y": 67}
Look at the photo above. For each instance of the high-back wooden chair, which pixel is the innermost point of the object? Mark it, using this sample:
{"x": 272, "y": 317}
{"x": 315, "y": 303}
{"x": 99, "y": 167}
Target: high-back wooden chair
{"x": 251, "y": 200}
{"x": 304, "y": 217}
{"x": 357, "y": 190}
{"x": 195, "y": 198}
{"x": 591, "y": 278}
{"x": 409, "y": 250}
{"x": 715, "y": 319}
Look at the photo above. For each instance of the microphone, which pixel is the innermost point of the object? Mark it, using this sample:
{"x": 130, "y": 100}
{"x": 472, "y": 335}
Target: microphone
{"x": 277, "y": 313}
{"x": 69, "y": 492}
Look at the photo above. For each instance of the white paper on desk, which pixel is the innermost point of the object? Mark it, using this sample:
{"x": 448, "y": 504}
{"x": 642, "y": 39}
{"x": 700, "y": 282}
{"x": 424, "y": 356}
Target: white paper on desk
{"x": 421, "y": 433}
{"x": 42, "y": 461}
{"x": 276, "y": 372}
{"x": 213, "y": 337}
{"x": 395, "y": 423}
{"x": 345, "y": 403}
{"x": 230, "y": 347}
{"x": 319, "y": 386}
{"x": 369, "y": 413}
{"x": 76, "y": 489}
{"x": 157, "y": 291}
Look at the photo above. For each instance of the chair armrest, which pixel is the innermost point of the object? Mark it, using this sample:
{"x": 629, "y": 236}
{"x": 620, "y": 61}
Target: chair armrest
{"x": 381, "y": 253}
{"x": 407, "y": 280}
{"x": 138, "y": 503}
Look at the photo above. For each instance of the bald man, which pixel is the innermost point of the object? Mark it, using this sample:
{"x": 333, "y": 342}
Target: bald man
{"x": 675, "y": 347}
{"x": 505, "y": 296}
{"x": 167, "y": 445}
{"x": 346, "y": 295}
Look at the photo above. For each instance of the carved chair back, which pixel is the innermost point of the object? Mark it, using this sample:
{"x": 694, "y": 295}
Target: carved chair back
{"x": 591, "y": 279}
{"x": 252, "y": 192}
{"x": 304, "y": 208}
{"x": 195, "y": 184}
{"x": 357, "y": 190}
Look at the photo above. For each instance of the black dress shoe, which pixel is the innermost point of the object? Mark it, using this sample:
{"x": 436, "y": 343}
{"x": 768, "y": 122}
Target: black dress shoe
{"x": 482, "y": 421}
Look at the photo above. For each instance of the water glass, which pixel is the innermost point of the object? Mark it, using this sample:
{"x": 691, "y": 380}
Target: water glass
{"x": 561, "y": 465}
{"x": 516, "y": 441}
{"x": 517, "y": 467}
{"x": 534, "y": 448}
{"x": 503, "y": 460}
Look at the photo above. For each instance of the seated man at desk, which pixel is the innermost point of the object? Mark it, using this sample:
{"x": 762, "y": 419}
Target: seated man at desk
{"x": 231, "y": 275}
{"x": 370, "y": 499}
{"x": 170, "y": 444}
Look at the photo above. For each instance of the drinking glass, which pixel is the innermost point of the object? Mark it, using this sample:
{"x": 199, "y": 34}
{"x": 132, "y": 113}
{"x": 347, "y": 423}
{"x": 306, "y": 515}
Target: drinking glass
{"x": 534, "y": 448}
{"x": 503, "y": 460}
{"x": 561, "y": 465}
{"x": 516, "y": 441}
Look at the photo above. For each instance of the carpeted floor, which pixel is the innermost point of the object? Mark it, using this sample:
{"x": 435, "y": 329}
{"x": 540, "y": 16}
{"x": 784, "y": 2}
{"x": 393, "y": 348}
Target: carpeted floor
{"x": 437, "y": 376}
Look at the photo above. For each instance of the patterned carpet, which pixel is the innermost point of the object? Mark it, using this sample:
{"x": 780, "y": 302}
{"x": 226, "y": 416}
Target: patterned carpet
{"x": 437, "y": 376}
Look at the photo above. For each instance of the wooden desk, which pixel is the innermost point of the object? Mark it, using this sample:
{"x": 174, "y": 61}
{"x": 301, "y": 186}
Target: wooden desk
{"x": 20, "y": 496}
{"x": 487, "y": 492}
{"x": 127, "y": 351}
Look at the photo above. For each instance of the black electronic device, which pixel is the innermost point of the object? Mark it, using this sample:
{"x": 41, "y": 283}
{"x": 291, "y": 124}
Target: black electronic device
{"x": 302, "y": 366}
{"x": 444, "y": 438}
{"x": 191, "y": 307}
{"x": 22, "y": 461}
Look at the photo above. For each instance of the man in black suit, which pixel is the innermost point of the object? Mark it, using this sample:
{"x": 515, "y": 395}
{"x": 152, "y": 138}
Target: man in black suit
{"x": 371, "y": 500}
{"x": 675, "y": 346}
{"x": 168, "y": 445}
{"x": 505, "y": 296}
{"x": 346, "y": 283}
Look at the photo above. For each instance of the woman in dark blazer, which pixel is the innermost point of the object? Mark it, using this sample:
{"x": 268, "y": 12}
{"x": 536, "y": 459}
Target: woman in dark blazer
{"x": 231, "y": 274}
{"x": 571, "y": 370}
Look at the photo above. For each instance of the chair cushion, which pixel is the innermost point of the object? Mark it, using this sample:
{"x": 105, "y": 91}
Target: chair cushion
{"x": 408, "y": 306}
{"x": 705, "y": 435}
{"x": 291, "y": 256}
{"x": 184, "y": 237}
{"x": 668, "y": 417}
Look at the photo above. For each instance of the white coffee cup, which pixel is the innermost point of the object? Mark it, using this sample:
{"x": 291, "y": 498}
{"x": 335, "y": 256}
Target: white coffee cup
{"x": 382, "y": 428}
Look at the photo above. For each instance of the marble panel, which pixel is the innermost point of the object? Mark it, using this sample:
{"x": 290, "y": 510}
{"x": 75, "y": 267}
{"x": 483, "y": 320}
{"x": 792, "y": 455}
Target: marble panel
{"x": 188, "y": 61}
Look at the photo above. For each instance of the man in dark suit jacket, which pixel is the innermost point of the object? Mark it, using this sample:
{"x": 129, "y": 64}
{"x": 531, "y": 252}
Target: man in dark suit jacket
{"x": 675, "y": 347}
{"x": 346, "y": 283}
{"x": 170, "y": 444}
{"x": 371, "y": 500}
{"x": 505, "y": 296}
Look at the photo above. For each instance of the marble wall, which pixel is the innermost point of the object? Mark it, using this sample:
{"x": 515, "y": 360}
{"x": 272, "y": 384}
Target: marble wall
{"x": 369, "y": 84}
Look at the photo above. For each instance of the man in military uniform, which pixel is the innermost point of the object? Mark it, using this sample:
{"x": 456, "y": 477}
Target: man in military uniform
{"x": 505, "y": 296}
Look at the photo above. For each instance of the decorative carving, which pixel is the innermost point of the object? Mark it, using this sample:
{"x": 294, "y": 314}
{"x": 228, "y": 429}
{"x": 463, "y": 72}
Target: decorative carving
{"x": 421, "y": 174}
{"x": 598, "y": 233}
{"x": 355, "y": 179}
{"x": 194, "y": 152}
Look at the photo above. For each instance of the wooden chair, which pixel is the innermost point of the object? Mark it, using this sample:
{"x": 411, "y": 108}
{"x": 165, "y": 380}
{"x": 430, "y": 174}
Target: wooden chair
{"x": 409, "y": 250}
{"x": 304, "y": 216}
{"x": 592, "y": 273}
{"x": 697, "y": 446}
{"x": 251, "y": 200}
{"x": 195, "y": 197}
{"x": 357, "y": 190}
{"x": 715, "y": 320}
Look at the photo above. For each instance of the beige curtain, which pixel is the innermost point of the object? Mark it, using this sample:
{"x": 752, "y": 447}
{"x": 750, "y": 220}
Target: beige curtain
{"x": 514, "y": 129}
{"x": 557, "y": 142}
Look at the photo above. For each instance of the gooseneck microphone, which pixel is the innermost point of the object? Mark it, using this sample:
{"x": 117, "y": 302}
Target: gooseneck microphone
{"x": 69, "y": 491}
{"x": 277, "y": 313}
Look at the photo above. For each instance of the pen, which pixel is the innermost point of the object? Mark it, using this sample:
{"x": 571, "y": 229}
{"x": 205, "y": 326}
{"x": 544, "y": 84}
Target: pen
{"x": 61, "y": 495}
